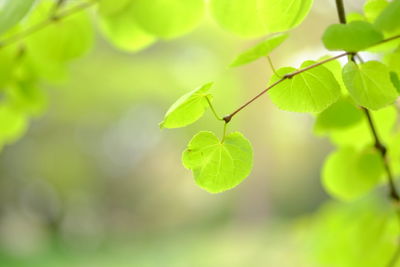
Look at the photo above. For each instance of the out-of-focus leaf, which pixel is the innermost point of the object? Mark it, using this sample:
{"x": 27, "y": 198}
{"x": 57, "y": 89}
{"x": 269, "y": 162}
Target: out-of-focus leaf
{"x": 12, "y": 12}
{"x": 389, "y": 18}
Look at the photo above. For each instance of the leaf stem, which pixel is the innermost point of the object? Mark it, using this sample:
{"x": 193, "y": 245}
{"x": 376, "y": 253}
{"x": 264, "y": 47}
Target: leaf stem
{"x": 224, "y": 132}
{"x": 272, "y": 66}
{"x": 213, "y": 110}
{"x": 43, "y": 24}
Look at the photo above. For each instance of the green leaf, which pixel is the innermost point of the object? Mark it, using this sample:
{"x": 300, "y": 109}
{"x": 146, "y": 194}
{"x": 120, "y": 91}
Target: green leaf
{"x": 70, "y": 38}
{"x": 352, "y": 37}
{"x": 372, "y": 8}
{"x": 340, "y": 115}
{"x": 218, "y": 166}
{"x": 360, "y": 233}
{"x": 259, "y": 17}
{"x": 12, "y": 12}
{"x": 393, "y": 61}
{"x": 311, "y": 91}
{"x": 260, "y": 50}
{"x": 168, "y": 18}
{"x": 7, "y": 61}
{"x": 354, "y": 16}
{"x": 112, "y": 7}
{"x": 122, "y": 30}
{"x": 369, "y": 84}
{"x": 348, "y": 173}
{"x": 359, "y": 135}
{"x": 188, "y": 108}
{"x": 389, "y": 19}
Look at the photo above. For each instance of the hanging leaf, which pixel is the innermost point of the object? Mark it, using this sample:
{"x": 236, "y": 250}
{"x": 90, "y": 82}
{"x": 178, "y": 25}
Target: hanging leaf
{"x": 352, "y": 37}
{"x": 260, "y": 50}
{"x": 348, "y": 173}
{"x": 122, "y": 30}
{"x": 188, "y": 108}
{"x": 259, "y": 17}
{"x": 340, "y": 115}
{"x": 311, "y": 91}
{"x": 369, "y": 84}
{"x": 218, "y": 166}
{"x": 168, "y": 18}
{"x": 372, "y": 8}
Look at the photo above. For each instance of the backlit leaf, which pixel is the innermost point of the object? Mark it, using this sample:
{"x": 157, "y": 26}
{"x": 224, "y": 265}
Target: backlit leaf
{"x": 369, "y": 84}
{"x": 311, "y": 91}
{"x": 188, "y": 108}
{"x": 12, "y": 12}
{"x": 218, "y": 166}
{"x": 260, "y": 50}
{"x": 352, "y": 37}
{"x": 389, "y": 19}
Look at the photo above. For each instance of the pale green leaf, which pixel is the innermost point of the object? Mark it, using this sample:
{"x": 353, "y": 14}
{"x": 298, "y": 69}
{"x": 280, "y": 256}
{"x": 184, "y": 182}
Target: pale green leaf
{"x": 369, "y": 84}
{"x": 13, "y": 124}
{"x": 168, "y": 19}
{"x": 259, "y": 17}
{"x": 112, "y": 7}
{"x": 260, "y": 50}
{"x": 352, "y": 37}
{"x": 354, "y": 16}
{"x": 12, "y": 12}
{"x": 188, "y": 108}
{"x": 372, "y": 8}
{"x": 218, "y": 166}
{"x": 348, "y": 173}
{"x": 389, "y": 19}
{"x": 311, "y": 91}
{"x": 122, "y": 30}
{"x": 359, "y": 135}
{"x": 340, "y": 115}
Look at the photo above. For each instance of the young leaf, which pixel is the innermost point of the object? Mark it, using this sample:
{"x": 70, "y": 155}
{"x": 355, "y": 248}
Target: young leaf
{"x": 260, "y": 50}
{"x": 348, "y": 173}
{"x": 389, "y": 19}
{"x": 340, "y": 115}
{"x": 311, "y": 91}
{"x": 218, "y": 166}
{"x": 352, "y": 37}
{"x": 188, "y": 108}
{"x": 112, "y": 7}
{"x": 12, "y": 12}
{"x": 122, "y": 30}
{"x": 168, "y": 18}
{"x": 369, "y": 84}
{"x": 259, "y": 17}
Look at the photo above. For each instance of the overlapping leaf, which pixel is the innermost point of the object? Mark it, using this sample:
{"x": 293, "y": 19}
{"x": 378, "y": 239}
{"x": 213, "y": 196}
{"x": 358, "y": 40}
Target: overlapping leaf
{"x": 369, "y": 84}
{"x": 311, "y": 91}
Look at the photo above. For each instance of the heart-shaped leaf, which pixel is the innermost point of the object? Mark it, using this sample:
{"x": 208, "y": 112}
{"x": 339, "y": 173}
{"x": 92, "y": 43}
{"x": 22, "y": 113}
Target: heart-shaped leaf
{"x": 369, "y": 84}
{"x": 311, "y": 91}
{"x": 188, "y": 108}
{"x": 218, "y": 166}
{"x": 352, "y": 37}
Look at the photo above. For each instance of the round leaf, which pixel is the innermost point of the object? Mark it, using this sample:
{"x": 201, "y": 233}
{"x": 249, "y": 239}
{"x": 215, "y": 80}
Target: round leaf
{"x": 348, "y": 173}
{"x": 218, "y": 166}
{"x": 352, "y": 37}
{"x": 311, "y": 91}
{"x": 168, "y": 18}
{"x": 369, "y": 84}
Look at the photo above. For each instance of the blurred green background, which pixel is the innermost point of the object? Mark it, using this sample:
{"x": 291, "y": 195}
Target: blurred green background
{"x": 95, "y": 182}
